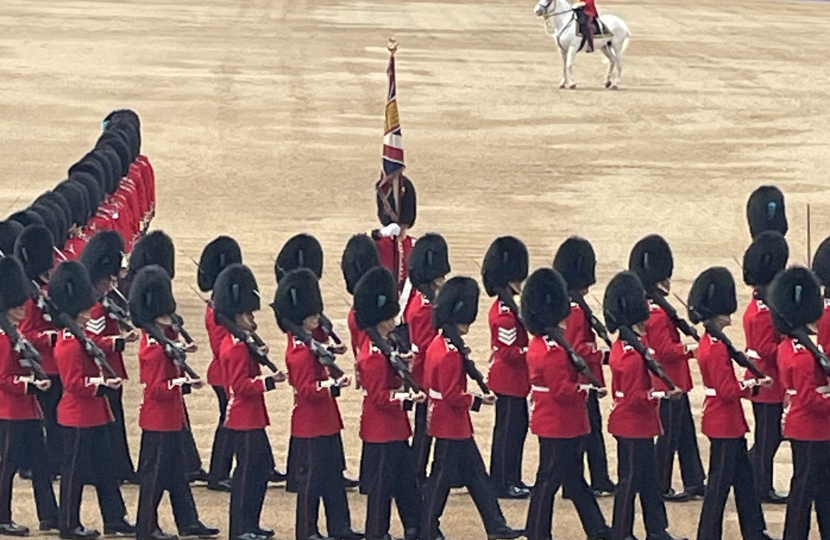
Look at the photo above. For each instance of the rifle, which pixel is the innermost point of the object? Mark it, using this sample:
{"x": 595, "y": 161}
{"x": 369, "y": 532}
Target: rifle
{"x": 395, "y": 360}
{"x": 629, "y": 336}
{"x": 596, "y": 324}
{"x": 738, "y": 356}
{"x": 578, "y": 362}
{"x": 682, "y": 324}
{"x": 91, "y": 349}
{"x": 30, "y": 357}
{"x": 451, "y": 333}
{"x": 818, "y": 354}
{"x": 118, "y": 313}
{"x": 323, "y": 354}
{"x": 172, "y": 349}
{"x": 328, "y": 328}
{"x": 178, "y": 326}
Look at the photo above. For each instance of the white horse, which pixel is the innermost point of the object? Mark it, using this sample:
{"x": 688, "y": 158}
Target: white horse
{"x": 564, "y": 31}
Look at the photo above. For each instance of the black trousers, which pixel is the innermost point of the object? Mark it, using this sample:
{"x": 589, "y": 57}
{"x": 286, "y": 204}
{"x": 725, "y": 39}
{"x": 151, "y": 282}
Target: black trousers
{"x": 768, "y": 438}
{"x": 162, "y": 470}
{"x": 88, "y": 459}
{"x": 54, "y": 432}
{"x": 593, "y": 446}
{"x": 810, "y": 484}
{"x": 559, "y": 465}
{"x": 19, "y": 438}
{"x": 509, "y": 434}
{"x": 458, "y": 460}
{"x": 318, "y": 466}
{"x": 221, "y": 455}
{"x": 421, "y": 443}
{"x": 124, "y": 468}
{"x": 386, "y": 472}
{"x": 250, "y": 480}
{"x": 637, "y": 472}
{"x": 192, "y": 460}
{"x": 730, "y": 468}
{"x": 679, "y": 437}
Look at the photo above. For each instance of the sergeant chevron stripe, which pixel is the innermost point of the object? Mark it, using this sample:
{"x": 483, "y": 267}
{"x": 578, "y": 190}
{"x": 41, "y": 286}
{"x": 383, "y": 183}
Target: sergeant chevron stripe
{"x": 96, "y": 326}
{"x": 507, "y": 335}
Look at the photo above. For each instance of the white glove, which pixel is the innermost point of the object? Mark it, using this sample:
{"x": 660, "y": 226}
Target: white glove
{"x": 393, "y": 229}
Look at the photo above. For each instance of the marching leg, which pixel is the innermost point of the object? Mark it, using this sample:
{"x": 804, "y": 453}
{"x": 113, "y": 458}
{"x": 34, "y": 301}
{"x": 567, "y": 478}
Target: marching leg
{"x": 540, "y": 512}
{"x": 444, "y": 463}
{"x": 154, "y": 470}
{"x": 768, "y": 438}
{"x": 802, "y": 489}
{"x": 691, "y": 467}
{"x": 823, "y": 494}
{"x": 333, "y": 492}
{"x": 35, "y": 448}
{"x": 421, "y": 444}
{"x": 583, "y": 499}
{"x": 518, "y": 438}
{"x": 54, "y": 432}
{"x": 124, "y": 467}
{"x": 406, "y": 492}
{"x": 750, "y": 515}
{"x": 307, "y": 469}
{"x": 72, "y": 482}
{"x": 221, "y": 455}
{"x": 113, "y": 510}
{"x": 654, "y": 510}
{"x": 478, "y": 484}
{"x": 8, "y": 468}
{"x": 623, "y": 521}
{"x": 594, "y": 445}
{"x": 193, "y": 462}
{"x": 667, "y": 446}
{"x": 498, "y": 450}
{"x": 721, "y": 473}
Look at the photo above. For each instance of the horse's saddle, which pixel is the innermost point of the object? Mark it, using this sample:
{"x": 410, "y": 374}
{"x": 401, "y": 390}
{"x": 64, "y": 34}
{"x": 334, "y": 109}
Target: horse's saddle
{"x": 599, "y": 29}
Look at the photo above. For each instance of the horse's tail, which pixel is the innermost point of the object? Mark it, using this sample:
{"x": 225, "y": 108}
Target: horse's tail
{"x": 625, "y": 43}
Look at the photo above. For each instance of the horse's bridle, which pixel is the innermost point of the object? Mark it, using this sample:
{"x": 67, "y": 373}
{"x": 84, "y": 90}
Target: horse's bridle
{"x": 547, "y": 15}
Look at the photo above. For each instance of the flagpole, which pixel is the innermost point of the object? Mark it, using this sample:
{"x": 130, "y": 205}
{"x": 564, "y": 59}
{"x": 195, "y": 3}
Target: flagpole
{"x": 392, "y": 46}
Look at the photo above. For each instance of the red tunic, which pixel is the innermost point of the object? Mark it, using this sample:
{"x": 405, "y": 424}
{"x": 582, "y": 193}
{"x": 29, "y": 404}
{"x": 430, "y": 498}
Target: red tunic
{"x": 244, "y": 385}
{"x": 508, "y": 363}
{"x": 394, "y": 255}
{"x": 807, "y": 407}
{"x": 418, "y": 315}
{"x": 358, "y": 335}
{"x": 664, "y": 339}
{"x": 762, "y": 338}
{"x": 36, "y": 328}
{"x": 558, "y": 408}
{"x": 581, "y": 336}
{"x": 216, "y": 335}
{"x": 723, "y": 414}
{"x": 449, "y": 401}
{"x": 384, "y": 418}
{"x": 149, "y": 183}
{"x": 823, "y": 325}
{"x": 315, "y": 412}
{"x": 80, "y": 406}
{"x": 102, "y": 329}
{"x": 74, "y": 247}
{"x": 590, "y": 8}
{"x": 16, "y": 403}
{"x": 162, "y": 407}
{"x": 634, "y": 413}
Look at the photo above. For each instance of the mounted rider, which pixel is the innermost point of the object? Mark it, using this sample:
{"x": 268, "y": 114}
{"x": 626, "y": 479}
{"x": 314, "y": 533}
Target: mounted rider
{"x": 587, "y": 17}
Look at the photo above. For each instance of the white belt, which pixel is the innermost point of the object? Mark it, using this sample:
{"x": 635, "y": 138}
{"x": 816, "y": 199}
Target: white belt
{"x": 540, "y": 388}
{"x": 823, "y": 389}
{"x": 792, "y": 392}
{"x": 711, "y": 392}
{"x": 434, "y": 394}
{"x": 619, "y": 394}
{"x": 414, "y": 348}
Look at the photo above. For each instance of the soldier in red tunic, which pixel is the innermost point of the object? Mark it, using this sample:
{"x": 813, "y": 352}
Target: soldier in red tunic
{"x": 456, "y": 455}
{"x": 504, "y": 269}
{"x": 315, "y": 419}
{"x": 576, "y": 261}
{"x": 713, "y": 299}
{"x": 220, "y": 253}
{"x": 429, "y": 264}
{"x": 651, "y": 259}
{"x": 765, "y": 257}
{"x": 84, "y": 413}
{"x": 821, "y": 267}
{"x": 162, "y": 414}
{"x": 795, "y": 298}
{"x": 21, "y": 432}
{"x": 386, "y": 467}
{"x": 586, "y": 15}
{"x": 103, "y": 259}
{"x": 393, "y": 240}
{"x": 236, "y": 297}
{"x": 634, "y": 420}
{"x": 765, "y": 211}
{"x": 359, "y": 256}
{"x": 560, "y": 415}
{"x": 34, "y": 248}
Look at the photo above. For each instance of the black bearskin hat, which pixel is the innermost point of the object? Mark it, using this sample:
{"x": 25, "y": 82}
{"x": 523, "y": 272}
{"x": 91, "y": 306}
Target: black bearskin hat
{"x": 360, "y": 255}
{"x": 59, "y": 205}
{"x": 764, "y": 258}
{"x": 131, "y": 135}
{"x": 795, "y": 299}
{"x": 298, "y": 297}
{"x": 376, "y": 297}
{"x": 15, "y": 288}
{"x": 651, "y": 259}
{"x": 9, "y": 231}
{"x": 122, "y": 115}
{"x": 712, "y": 294}
{"x": 506, "y": 261}
{"x": 117, "y": 142}
{"x": 36, "y": 250}
{"x": 576, "y": 261}
{"x": 112, "y": 167}
{"x": 456, "y": 303}
{"x": 235, "y": 291}
{"x": 151, "y": 295}
{"x": 765, "y": 211}
{"x": 625, "y": 302}
{"x": 94, "y": 166}
{"x": 821, "y": 263}
{"x": 155, "y": 248}
{"x": 78, "y": 202}
{"x": 27, "y": 217}
{"x": 103, "y": 256}
{"x": 220, "y": 253}
{"x": 545, "y": 301}
{"x": 54, "y": 220}
{"x": 301, "y": 251}
{"x": 428, "y": 260}
{"x": 93, "y": 190}
{"x": 70, "y": 289}
{"x": 409, "y": 205}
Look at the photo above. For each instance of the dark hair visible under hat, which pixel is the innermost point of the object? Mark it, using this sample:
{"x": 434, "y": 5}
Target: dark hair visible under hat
{"x": 298, "y": 297}
{"x": 506, "y": 261}
{"x": 576, "y": 261}
{"x": 408, "y": 210}
{"x": 712, "y": 294}
{"x": 301, "y": 251}
{"x": 376, "y": 297}
{"x": 71, "y": 290}
{"x": 220, "y": 253}
{"x": 651, "y": 259}
{"x": 151, "y": 295}
{"x": 795, "y": 299}
{"x": 15, "y": 287}
{"x": 456, "y": 303}
{"x": 428, "y": 260}
{"x": 103, "y": 256}
{"x": 360, "y": 255}
{"x": 235, "y": 291}
{"x": 764, "y": 258}
{"x": 545, "y": 301}
{"x": 625, "y": 302}
{"x": 765, "y": 211}
{"x": 35, "y": 249}
{"x": 154, "y": 248}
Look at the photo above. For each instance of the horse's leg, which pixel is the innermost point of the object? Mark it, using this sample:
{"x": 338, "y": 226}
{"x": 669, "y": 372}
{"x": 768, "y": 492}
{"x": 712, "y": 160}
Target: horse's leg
{"x": 618, "y": 53}
{"x": 564, "y": 83}
{"x": 612, "y": 61}
{"x": 570, "y": 66}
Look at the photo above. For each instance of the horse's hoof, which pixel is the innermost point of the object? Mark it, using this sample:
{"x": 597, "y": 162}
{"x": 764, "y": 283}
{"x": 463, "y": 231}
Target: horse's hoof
{"x": 607, "y": 84}
{"x": 613, "y": 87}
{"x": 562, "y": 86}
{"x": 572, "y": 86}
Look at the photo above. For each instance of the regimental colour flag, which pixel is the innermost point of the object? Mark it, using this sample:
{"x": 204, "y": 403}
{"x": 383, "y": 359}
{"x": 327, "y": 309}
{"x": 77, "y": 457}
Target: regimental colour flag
{"x": 393, "y": 162}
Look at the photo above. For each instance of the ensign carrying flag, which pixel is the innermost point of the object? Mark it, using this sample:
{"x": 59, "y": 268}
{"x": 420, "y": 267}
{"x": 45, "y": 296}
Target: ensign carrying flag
{"x": 393, "y": 164}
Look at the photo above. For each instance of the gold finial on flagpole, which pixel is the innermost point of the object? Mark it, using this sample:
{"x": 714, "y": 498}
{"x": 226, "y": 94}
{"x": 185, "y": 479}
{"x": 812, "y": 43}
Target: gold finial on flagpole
{"x": 392, "y": 46}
